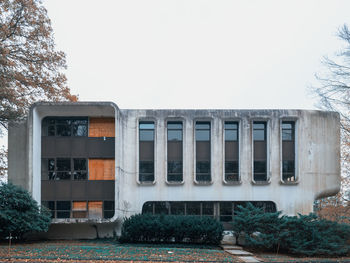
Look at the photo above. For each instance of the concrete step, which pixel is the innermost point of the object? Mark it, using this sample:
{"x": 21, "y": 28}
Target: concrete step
{"x": 230, "y": 247}
{"x": 238, "y": 252}
{"x": 249, "y": 259}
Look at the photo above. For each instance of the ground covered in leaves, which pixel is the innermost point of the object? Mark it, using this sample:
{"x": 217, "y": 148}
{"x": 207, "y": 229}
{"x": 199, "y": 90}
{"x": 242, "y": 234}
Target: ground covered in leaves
{"x": 110, "y": 251}
{"x": 269, "y": 257}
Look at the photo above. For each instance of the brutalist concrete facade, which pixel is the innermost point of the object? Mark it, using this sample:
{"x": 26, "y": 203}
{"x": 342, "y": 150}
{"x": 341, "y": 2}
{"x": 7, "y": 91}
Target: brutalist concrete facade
{"x": 316, "y": 173}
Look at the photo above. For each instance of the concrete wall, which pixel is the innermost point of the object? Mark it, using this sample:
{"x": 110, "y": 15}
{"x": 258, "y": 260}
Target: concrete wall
{"x": 317, "y": 160}
{"x": 18, "y": 155}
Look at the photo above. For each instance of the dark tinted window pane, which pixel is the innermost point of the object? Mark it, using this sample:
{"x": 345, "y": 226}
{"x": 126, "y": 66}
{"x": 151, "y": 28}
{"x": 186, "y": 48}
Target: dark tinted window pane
{"x": 288, "y": 166}
{"x": 161, "y": 207}
{"x": 287, "y": 135}
{"x": 177, "y": 208}
{"x": 193, "y": 208}
{"x": 203, "y": 167}
{"x": 226, "y": 211}
{"x": 259, "y": 166}
{"x": 146, "y": 135}
{"x": 146, "y": 167}
{"x": 108, "y": 214}
{"x": 63, "y": 175}
{"x": 64, "y": 214}
{"x": 207, "y": 208}
{"x": 80, "y": 128}
{"x": 63, "y": 164}
{"x": 81, "y": 175}
{"x": 51, "y": 130}
{"x": 174, "y": 126}
{"x": 147, "y": 126}
{"x": 79, "y": 164}
{"x": 108, "y": 205}
{"x": 259, "y": 135}
{"x": 51, "y": 164}
{"x": 231, "y": 167}
{"x": 63, "y": 127}
{"x": 63, "y": 205}
{"x": 202, "y": 135}
{"x": 147, "y": 208}
{"x": 230, "y": 135}
{"x": 202, "y": 126}
{"x": 287, "y": 131}
{"x": 231, "y": 125}
{"x": 174, "y": 135}
{"x": 175, "y": 167}
{"x": 259, "y": 131}
{"x": 287, "y": 125}
{"x": 258, "y": 126}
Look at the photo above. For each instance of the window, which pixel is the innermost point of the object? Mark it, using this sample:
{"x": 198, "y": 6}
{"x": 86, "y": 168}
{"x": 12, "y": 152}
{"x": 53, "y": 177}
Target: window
{"x": 226, "y": 211}
{"x": 174, "y": 151}
{"x": 203, "y": 151}
{"x": 260, "y": 151}
{"x": 108, "y": 209}
{"x": 65, "y": 126}
{"x": 80, "y": 169}
{"x": 63, "y": 168}
{"x": 231, "y": 152}
{"x": 63, "y": 209}
{"x": 80, "y": 209}
{"x": 146, "y": 151}
{"x": 288, "y": 151}
{"x": 223, "y": 211}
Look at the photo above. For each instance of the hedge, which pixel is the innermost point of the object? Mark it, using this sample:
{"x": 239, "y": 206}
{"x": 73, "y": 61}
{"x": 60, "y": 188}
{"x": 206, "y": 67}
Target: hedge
{"x": 303, "y": 234}
{"x": 171, "y": 228}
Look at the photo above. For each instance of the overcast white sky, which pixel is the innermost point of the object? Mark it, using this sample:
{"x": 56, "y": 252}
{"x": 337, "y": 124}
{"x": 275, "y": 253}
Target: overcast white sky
{"x": 196, "y": 54}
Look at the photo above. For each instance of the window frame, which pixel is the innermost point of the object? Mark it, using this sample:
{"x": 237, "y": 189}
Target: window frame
{"x": 211, "y": 121}
{"x": 239, "y": 138}
{"x": 294, "y": 119}
{"x": 71, "y": 118}
{"x": 267, "y": 120}
{"x": 138, "y": 122}
{"x": 183, "y": 122}
{"x": 72, "y": 170}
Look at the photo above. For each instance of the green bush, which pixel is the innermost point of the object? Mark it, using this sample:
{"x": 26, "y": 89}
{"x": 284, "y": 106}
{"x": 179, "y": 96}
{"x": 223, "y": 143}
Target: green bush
{"x": 20, "y": 213}
{"x": 171, "y": 228}
{"x": 303, "y": 234}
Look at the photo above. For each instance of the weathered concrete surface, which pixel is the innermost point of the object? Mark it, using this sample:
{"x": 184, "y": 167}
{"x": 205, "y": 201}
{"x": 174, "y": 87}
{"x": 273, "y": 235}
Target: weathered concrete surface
{"x": 18, "y": 155}
{"x": 317, "y": 156}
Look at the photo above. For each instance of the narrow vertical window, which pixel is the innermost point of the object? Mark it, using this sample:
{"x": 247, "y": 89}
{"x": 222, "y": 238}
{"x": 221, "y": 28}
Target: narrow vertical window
{"x": 203, "y": 152}
{"x": 231, "y": 152}
{"x": 288, "y": 151}
{"x": 174, "y": 153}
{"x": 146, "y": 151}
{"x": 260, "y": 151}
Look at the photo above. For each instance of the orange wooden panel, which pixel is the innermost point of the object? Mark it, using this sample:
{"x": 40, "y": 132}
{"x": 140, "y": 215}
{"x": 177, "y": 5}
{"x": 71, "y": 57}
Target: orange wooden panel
{"x": 95, "y": 209}
{"x": 79, "y": 206}
{"x": 101, "y": 169}
{"x": 101, "y": 127}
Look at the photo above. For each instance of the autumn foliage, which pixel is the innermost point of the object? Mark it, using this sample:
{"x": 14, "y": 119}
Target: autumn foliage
{"x": 30, "y": 67}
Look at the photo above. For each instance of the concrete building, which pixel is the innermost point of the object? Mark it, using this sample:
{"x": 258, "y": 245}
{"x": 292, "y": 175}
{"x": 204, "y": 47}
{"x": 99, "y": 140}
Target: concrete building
{"x": 93, "y": 164}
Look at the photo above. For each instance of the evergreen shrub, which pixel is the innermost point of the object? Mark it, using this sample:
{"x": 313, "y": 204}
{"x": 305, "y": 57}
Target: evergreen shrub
{"x": 20, "y": 213}
{"x": 171, "y": 228}
{"x": 303, "y": 234}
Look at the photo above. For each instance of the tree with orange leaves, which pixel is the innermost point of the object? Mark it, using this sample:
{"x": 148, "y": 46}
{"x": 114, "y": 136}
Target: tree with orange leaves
{"x": 30, "y": 67}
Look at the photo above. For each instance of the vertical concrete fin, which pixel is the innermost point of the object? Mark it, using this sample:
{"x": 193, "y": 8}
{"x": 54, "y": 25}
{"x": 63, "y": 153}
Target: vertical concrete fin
{"x": 18, "y": 154}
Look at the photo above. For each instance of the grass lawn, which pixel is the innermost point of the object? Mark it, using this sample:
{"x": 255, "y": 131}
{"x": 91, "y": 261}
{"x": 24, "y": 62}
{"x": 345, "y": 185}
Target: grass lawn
{"x": 110, "y": 251}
